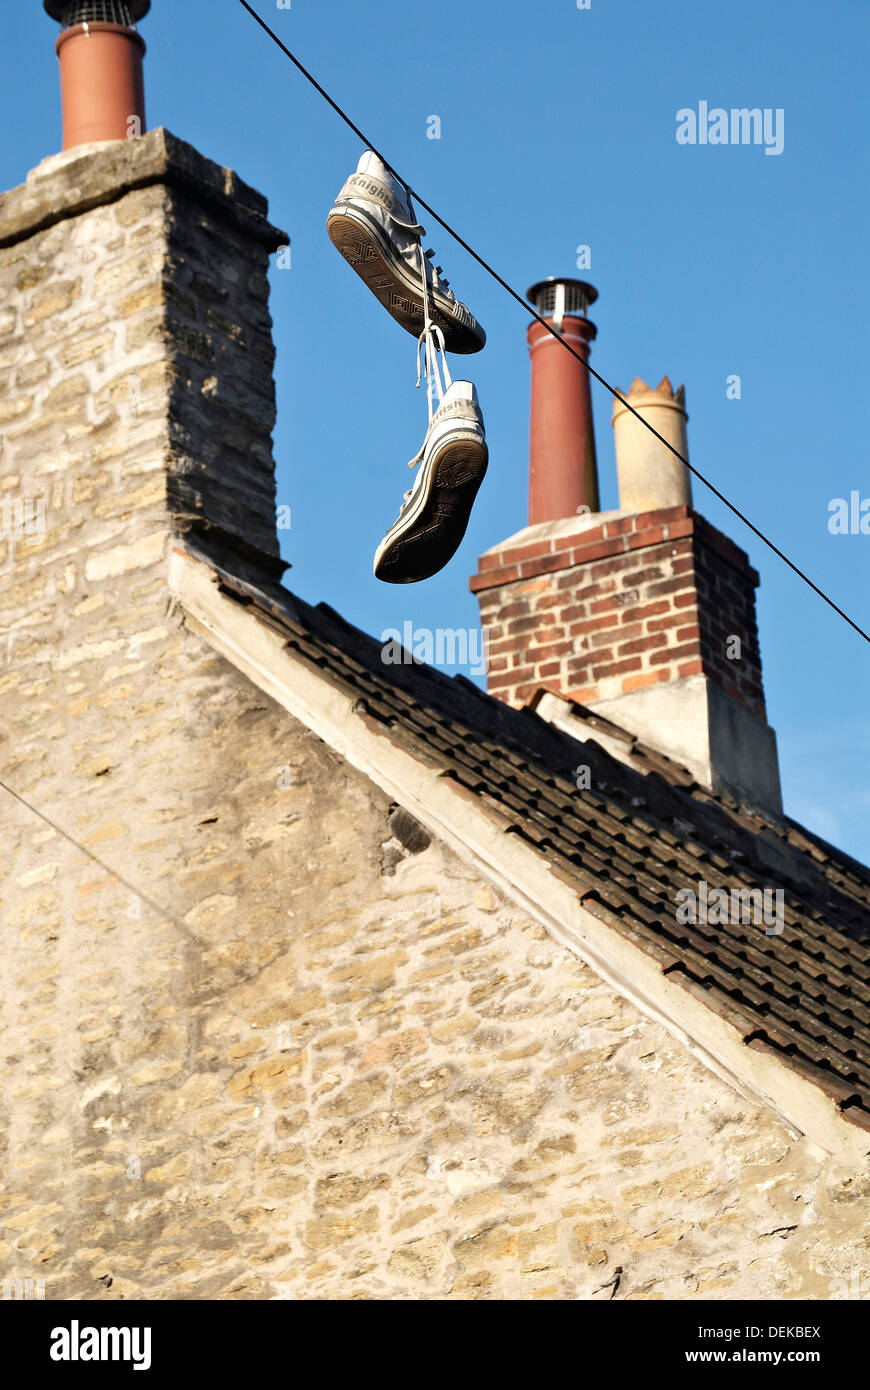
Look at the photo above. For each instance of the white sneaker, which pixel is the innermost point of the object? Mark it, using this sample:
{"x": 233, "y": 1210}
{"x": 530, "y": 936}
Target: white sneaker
{"x": 374, "y": 227}
{"x": 434, "y": 516}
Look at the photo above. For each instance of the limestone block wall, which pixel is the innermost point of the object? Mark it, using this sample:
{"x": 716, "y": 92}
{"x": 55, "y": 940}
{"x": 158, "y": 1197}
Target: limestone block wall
{"x": 284, "y": 1059}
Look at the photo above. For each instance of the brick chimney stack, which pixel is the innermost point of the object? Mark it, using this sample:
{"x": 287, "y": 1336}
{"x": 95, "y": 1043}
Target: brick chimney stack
{"x": 100, "y": 55}
{"x": 644, "y": 614}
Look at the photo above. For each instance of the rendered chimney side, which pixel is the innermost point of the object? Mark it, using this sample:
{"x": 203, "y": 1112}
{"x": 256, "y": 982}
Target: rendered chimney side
{"x": 563, "y": 471}
{"x": 100, "y": 55}
{"x": 645, "y": 614}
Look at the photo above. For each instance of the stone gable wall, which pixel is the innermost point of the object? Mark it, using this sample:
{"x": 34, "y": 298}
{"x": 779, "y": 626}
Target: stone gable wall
{"x": 251, "y": 1046}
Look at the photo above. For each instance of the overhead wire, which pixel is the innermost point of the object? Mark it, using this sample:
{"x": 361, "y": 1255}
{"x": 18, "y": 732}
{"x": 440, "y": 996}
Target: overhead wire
{"x": 481, "y": 261}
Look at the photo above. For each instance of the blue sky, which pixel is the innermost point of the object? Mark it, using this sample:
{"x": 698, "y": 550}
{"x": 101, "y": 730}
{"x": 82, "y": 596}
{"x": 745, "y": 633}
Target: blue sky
{"x": 558, "y": 129}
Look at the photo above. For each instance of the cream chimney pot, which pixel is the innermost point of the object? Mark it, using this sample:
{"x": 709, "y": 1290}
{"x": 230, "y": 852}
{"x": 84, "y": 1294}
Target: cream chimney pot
{"x": 650, "y": 477}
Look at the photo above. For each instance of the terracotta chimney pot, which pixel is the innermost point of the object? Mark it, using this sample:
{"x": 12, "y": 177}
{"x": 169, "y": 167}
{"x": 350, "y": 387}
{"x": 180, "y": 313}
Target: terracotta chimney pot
{"x": 100, "y": 55}
{"x": 563, "y": 471}
{"x": 650, "y": 476}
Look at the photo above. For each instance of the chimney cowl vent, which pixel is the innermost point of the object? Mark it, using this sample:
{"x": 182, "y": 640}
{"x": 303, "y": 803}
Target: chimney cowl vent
{"x": 69, "y": 13}
{"x": 557, "y": 296}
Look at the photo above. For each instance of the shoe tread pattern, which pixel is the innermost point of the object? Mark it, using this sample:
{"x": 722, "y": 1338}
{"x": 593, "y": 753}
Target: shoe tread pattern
{"x": 363, "y": 255}
{"x": 437, "y": 534}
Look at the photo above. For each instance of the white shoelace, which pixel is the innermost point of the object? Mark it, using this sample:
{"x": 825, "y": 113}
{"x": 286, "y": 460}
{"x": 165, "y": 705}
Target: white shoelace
{"x": 429, "y": 345}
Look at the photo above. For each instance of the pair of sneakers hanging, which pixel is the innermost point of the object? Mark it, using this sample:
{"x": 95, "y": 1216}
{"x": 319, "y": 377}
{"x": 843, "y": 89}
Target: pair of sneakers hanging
{"x": 373, "y": 226}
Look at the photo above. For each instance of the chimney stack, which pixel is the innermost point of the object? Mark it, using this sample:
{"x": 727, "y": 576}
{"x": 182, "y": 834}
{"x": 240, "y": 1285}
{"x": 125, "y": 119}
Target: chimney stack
{"x": 646, "y": 614}
{"x": 563, "y": 473}
{"x": 100, "y": 55}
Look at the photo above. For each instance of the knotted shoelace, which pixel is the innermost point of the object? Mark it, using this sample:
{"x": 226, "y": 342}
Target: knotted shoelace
{"x": 429, "y": 345}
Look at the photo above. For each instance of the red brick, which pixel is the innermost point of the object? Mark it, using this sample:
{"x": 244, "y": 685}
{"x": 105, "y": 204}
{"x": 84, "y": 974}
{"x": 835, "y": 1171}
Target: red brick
{"x": 641, "y": 539}
{"x": 665, "y": 624}
{"x": 602, "y": 550}
{"x": 682, "y": 600}
{"x": 642, "y": 644}
{"x": 616, "y": 668}
{"x": 685, "y": 634}
{"x": 536, "y": 654}
{"x": 618, "y": 528}
{"x": 583, "y": 693}
{"x": 597, "y": 641}
{"x": 683, "y": 565}
{"x": 595, "y": 625}
{"x": 592, "y": 591}
{"x": 604, "y": 605}
{"x": 532, "y": 622}
{"x": 626, "y": 631}
{"x": 552, "y": 668}
{"x": 524, "y": 693}
{"x": 646, "y": 610}
{"x": 671, "y": 586}
{"x": 576, "y": 582}
{"x": 493, "y": 579}
{"x": 672, "y": 654}
{"x": 534, "y": 587}
{"x": 661, "y": 517}
{"x": 545, "y": 564}
{"x": 689, "y": 668}
{"x": 643, "y": 576}
{"x": 726, "y": 549}
{"x": 676, "y": 529}
{"x": 581, "y": 538}
{"x": 515, "y": 556}
{"x": 624, "y": 565}
{"x": 513, "y": 610}
{"x": 644, "y": 679}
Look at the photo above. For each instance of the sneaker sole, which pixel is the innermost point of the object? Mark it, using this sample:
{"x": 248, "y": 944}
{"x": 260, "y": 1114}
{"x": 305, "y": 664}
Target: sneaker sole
{"x": 370, "y": 255}
{"x": 429, "y": 537}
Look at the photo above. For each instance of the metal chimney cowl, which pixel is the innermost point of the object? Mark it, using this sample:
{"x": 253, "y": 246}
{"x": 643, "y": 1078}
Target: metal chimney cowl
{"x": 72, "y": 12}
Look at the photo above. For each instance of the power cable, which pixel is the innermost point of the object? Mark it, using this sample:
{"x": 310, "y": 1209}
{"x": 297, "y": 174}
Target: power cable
{"x": 535, "y": 315}
{"x": 113, "y": 873}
